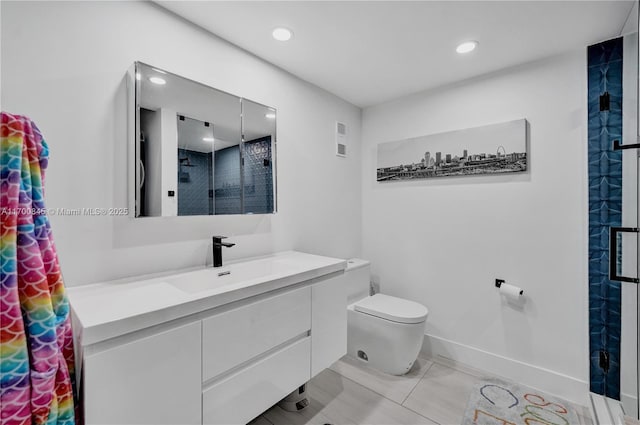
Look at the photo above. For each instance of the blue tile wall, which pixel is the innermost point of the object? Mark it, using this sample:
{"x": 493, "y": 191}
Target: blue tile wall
{"x": 194, "y": 183}
{"x": 605, "y": 210}
{"x": 258, "y": 176}
{"x": 227, "y": 180}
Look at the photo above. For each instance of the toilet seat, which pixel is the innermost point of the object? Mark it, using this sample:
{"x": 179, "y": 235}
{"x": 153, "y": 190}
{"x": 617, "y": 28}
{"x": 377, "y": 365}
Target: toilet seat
{"x": 392, "y": 308}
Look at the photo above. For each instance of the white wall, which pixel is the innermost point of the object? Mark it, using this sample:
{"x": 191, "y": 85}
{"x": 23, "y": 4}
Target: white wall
{"x": 150, "y": 176}
{"x": 444, "y": 241}
{"x": 169, "y": 161}
{"x": 631, "y": 24}
{"x": 64, "y": 65}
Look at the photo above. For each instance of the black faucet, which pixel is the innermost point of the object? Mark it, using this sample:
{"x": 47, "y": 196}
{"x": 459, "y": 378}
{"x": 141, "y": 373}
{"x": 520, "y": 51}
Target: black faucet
{"x": 217, "y": 249}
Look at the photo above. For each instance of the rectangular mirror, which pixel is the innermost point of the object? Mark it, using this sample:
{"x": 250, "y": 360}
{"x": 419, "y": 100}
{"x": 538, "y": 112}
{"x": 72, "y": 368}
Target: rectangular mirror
{"x": 191, "y": 157}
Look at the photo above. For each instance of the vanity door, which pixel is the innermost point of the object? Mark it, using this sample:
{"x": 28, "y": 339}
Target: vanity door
{"x": 151, "y": 380}
{"x": 328, "y": 322}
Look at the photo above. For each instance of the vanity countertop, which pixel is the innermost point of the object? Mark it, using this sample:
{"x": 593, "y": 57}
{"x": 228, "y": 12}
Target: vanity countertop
{"x": 111, "y": 309}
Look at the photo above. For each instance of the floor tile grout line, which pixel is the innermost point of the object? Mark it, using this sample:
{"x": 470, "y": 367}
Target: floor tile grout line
{"x": 417, "y": 383}
{"x": 383, "y": 396}
{"x": 410, "y": 391}
{"x": 433, "y": 362}
{"x": 370, "y": 389}
{"x": 420, "y": 380}
{"x": 420, "y": 414}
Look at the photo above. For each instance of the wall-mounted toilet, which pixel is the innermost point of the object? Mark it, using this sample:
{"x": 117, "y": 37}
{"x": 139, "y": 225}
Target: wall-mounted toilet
{"x": 383, "y": 331}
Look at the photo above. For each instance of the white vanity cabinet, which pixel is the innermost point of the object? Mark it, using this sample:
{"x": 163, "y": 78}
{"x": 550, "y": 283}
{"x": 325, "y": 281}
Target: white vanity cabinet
{"x": 209, "y": 360}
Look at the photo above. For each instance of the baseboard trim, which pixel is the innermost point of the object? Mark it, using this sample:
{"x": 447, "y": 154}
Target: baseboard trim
{"x": 549, "y": 381}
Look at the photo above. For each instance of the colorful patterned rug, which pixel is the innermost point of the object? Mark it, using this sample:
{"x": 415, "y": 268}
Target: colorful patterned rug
{"x": 495, "y": 401}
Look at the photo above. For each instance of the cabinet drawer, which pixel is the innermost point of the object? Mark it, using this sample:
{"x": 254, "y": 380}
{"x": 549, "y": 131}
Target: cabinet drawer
{"x": 235, "y": 336}
{"x": 244, "y": 395}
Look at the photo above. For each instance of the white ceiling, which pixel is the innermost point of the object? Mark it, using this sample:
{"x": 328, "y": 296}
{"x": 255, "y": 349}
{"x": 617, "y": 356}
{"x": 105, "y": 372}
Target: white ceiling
{"x": 200, "y": 104}
{"x": 369, "y": 52}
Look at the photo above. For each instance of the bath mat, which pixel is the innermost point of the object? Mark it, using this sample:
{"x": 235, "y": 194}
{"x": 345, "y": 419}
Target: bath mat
{"x": 495, "y": 401}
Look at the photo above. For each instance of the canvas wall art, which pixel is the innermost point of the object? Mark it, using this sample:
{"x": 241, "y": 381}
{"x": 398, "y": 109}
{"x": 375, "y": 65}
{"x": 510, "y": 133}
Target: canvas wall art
{"x": 490, "y": 149}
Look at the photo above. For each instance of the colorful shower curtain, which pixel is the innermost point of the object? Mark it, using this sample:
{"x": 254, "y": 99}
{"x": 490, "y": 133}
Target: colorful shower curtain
{"x": 36, "y": 345}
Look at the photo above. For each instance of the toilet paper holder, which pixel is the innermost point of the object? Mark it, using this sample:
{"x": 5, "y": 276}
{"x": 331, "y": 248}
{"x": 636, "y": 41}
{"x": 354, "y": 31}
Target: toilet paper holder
{"x": 499, "y": 283}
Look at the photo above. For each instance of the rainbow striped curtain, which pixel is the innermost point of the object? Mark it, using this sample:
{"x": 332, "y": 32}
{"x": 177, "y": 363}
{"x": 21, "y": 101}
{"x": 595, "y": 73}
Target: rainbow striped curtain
{"x": 36, "y": 343}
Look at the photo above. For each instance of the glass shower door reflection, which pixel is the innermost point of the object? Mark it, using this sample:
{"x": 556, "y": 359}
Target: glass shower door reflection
{"x": 613, "y": 220}
{"x": 626, "y": 262}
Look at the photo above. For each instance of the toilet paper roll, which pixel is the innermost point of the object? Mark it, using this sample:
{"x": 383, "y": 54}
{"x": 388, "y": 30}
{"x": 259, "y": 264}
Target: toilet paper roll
{"x": 511, "y": 291}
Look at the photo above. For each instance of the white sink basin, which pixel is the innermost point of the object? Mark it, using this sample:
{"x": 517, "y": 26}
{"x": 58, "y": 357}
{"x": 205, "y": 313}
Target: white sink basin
{"x": 238, "y": 274}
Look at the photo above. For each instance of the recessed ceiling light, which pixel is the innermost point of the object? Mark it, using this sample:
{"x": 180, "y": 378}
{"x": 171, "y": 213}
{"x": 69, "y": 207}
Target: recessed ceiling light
{"x": 138, "y": 76}
{"x": 208, "y": 139}
{"x": 466, "y": 47}
{"x": 157, "y": 80}
{"x": 270, "y": 115}
{"x": 282, "y": 34}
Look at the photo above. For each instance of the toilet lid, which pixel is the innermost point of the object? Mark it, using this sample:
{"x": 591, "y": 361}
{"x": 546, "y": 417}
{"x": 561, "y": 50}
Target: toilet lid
{"x": 392, "y": 308}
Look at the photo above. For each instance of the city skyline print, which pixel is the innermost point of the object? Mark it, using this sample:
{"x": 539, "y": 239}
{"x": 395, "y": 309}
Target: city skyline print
{"x": 490, "y": 149}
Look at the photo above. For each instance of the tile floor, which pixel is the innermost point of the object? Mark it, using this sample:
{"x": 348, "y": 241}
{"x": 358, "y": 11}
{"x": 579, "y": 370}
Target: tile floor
{"x": 435, "y": 391}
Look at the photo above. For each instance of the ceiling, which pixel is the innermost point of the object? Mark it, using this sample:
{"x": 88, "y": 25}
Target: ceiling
{"x": 370, "y": 52}
{"x": 200, "y": 104}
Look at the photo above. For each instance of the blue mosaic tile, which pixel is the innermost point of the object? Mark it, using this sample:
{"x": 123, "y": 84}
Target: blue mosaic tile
{"x": 604, "y": 53}
{"x": 258, "y": 176}
{"x": 227, "y": 190}
{"x": 194, "y": 182}
{"x": 605, "y": 210}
